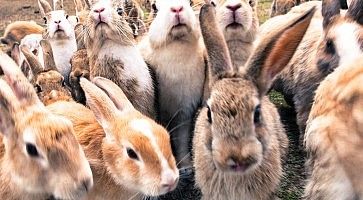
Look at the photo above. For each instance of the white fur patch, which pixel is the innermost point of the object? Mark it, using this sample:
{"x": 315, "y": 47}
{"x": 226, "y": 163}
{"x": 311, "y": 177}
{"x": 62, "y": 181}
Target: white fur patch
{"x": 130, "y": 56}
{"x": 32, "y": 41}
{"x": 63, "y": 51}
{"x": 347, "y": 43}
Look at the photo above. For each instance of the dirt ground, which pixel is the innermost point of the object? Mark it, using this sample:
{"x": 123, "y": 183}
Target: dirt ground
{"x": 291, "y": 187}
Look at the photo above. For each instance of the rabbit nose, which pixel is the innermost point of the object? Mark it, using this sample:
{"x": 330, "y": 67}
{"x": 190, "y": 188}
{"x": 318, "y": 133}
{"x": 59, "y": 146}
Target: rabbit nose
{"x": 176, "y": 10}
{"x": 234, "y": 7}
{"x": 87, "y": 184}
{"x": 170, "y": 183}
{"x": 99, "y": 10}
{"x": 57, "y": 22}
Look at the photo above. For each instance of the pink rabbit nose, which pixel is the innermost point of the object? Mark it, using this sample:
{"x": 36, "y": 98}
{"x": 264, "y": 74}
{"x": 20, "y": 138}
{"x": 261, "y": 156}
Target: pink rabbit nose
{"x": 176, "y": 10}
{"x": 234, "y": 7}
{"x": 169, "y": 183}
{"x": 99, "y": 10}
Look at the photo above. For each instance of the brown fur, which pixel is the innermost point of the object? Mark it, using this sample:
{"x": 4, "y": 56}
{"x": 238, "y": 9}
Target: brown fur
{"x": 313, "y": 61}
{"x": 239, "y": 141}
{"x": 80, "y": 68}
{"x": 60, "y": 168}
{"x": 104, "y": 136}
{"x": 334, "y": 136}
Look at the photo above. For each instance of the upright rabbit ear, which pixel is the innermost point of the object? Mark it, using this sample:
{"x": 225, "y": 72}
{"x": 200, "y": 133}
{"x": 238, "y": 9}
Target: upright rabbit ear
{"x": 79, "y": 6}
{"x": 44, "y": 7}
{"x": 15, "y": 54}
{"x": 7, "y": 109}
{"x": 33, "y": 61}
{"x": 49, "y": 63}
{"x": 101, "y": 105}
{"x": 58, "y": 5}
{"x": 329, "y": 10}
{"x": 115, "y": 93}
{"x": 217, "y": 50}
{"x": 355, "y": 11}
{"x": 23, "y": 90}
{"x": 274, "y": 52}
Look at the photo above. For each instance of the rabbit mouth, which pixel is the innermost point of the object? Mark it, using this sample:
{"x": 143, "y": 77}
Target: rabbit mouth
{"x": 179, "y": 25}
{"x": 234, "y": 25}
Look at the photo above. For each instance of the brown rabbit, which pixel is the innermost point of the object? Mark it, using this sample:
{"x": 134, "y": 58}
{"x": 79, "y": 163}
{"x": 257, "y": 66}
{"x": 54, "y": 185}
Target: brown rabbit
{"x": 333, "y": 136}
{"x": 239, "y": 141}
{"x": 80, "y": 68}
{"x": 39, "y": 154}
{"x": 112, "y": 54}
{"x": 335, "y": 39}
{"x": 239, "y": 23}
{"x": 49, "y": 83}
{"x": 130, "y": 155}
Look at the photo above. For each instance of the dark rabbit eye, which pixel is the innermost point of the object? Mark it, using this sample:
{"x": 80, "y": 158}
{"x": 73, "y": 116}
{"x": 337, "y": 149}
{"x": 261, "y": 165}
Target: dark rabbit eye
{"x": 38, "y": 88}
{"x": 120, "y": 11}
{"x": 63, "y": 83}
{"x": 132, "y": 154}
{"x": 154, "y": 8}
{"x": 45, "y": 20}
{"x": 209, "y": 114}
{"x": 67, "y": 16}
{"x": 257, "y": 115}
{"x": 213, "y": 3}
{"x": 250, "y": 2}
{"x": 330, "y": 47}
{"x": 31, "y": 150}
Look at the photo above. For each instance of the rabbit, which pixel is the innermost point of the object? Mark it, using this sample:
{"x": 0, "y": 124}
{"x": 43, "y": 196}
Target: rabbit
{"x": 130, "y": 154}
{"x": 333, "y": 137}
{"x": 40, "y": 156}
{"x": 17, "y": 30}
{"x": 239, "y": 142}
{"x": 113, "y": 54}
{"x": 281, "y": 7}
{"x": 80, "y": 68}
{"x": 49, "y": 83}
{"x": 174, "y": 50}
{"x": 136, "y": 23}
{"x": 60, "y": 33}
{"x": 239, "y": 23}
{"x": 333, "y": 39}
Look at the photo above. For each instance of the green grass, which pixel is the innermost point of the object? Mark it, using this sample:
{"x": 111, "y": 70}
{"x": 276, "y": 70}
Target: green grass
{"x": 263, "y": 10}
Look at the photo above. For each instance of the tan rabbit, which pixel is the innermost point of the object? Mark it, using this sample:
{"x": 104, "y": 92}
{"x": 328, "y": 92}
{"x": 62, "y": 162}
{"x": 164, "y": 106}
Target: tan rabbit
{"x": 112, "y": 54}
{"x": 130, "y": 155}
{"x": 174, "y": 50}
{"x": 80, "y": 68}
{"x": 48, "y": 82}
{"x": 61, "y": 36}
{"x": 16, "y": 31}
{"x": 39, "y": 155}
{"x": 333, "y": 136}
{"x": 239, "y": 23}
{"x": 239, "y": 141}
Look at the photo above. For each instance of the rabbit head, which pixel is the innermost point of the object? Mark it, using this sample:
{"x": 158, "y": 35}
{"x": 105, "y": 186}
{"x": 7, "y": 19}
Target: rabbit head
{"x": 237, "y": 18}
{"x": 42, "y": 154}
{"x": 48, "y": 82}
{"x": 342, "y": 40}
{"x": 281, "y": 7}
{"x": 236, "y": 117}
{"x": 58, "y": 25}
{"x": 107, "y": 21}
{"x": 174, "y": 21}
{"x": 136, "y": 150}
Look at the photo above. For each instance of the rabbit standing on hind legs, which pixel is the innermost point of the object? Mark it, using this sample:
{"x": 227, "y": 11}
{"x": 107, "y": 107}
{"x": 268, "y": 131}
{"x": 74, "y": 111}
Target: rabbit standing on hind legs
{"x": 239, "y": 141}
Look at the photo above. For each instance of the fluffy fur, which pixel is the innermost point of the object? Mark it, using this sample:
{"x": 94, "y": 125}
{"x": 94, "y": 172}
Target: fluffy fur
{"x": 130, "y": 155}
{"x": 334, "y": 135}
{"x": 40, "y": 155}
{"x": 239, "y": 141}
{"x": 175, "y": 52}
{"x": 112, "y": 54}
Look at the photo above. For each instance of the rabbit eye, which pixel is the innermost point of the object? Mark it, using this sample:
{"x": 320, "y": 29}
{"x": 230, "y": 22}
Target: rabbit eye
{"x": 209, "y": 115}
{"x": 45, "y": 20}
{"x": 257, "y": 115}
{"x": 213, "y": 3}
{"x": 63, "y": 83}
{"x": 251, "y": 3}
{"x": 120, "y": 11}
{"x": 38, "y": 88}
{"x": 31, "y": 150}
{"x": 154, "y": 8}
{"x": 330, "y": 47}
{"x": 67, "y": 16}
{"x": 132, "y": 154}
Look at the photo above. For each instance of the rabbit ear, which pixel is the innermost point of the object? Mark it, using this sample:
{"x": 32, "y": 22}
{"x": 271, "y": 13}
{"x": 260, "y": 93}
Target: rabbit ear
{"x": 79, "y": 5}
{"x": 330, "y": 9}
{"x": 15, "y": 54}
{"x": 355, "y": 11}
{"x": 101, "y": 105}
{"x": 44, "y": 7}
{"x": 7, "y": 109}
{"x": 57, "y": 4}
{"x": 33, "y": 61}
{"x": 49, "y": 63}
{"x": 218, "y": 54}
{"x": 274, "y": 52}
{"x": 115, "y": 93}
{"x": 23, "y": 90}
